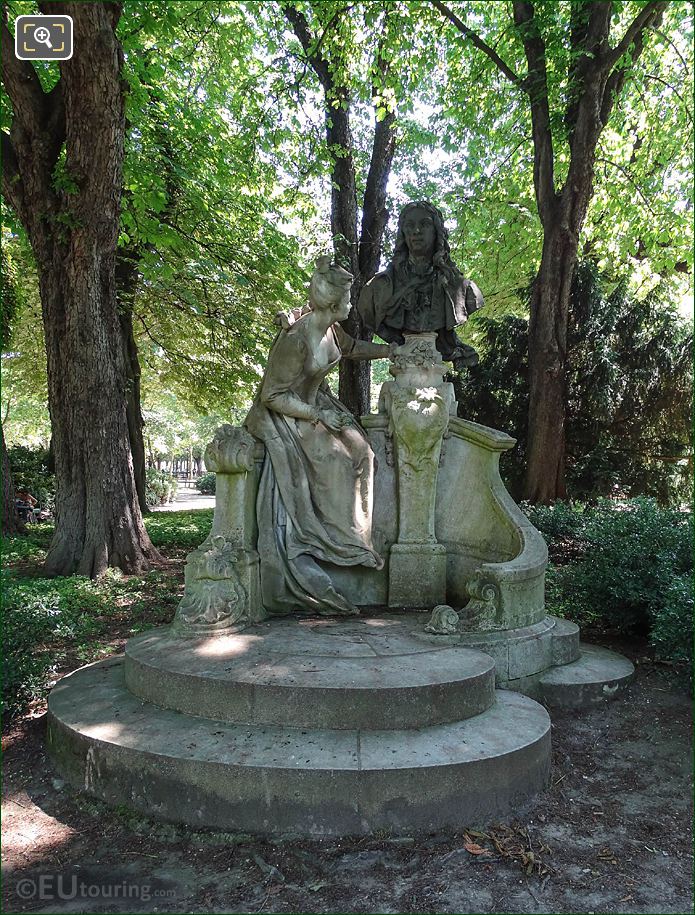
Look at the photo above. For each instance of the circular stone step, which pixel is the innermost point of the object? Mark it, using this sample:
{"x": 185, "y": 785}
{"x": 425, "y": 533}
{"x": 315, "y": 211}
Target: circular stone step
{"x": 598, "y": 674}
{"x": 371, "y": 672}
{"x": 275, "y": 780}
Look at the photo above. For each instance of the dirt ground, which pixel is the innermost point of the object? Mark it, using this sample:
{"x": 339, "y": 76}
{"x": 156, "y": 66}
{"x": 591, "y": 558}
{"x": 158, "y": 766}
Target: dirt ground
{"x": 613, "y": 833}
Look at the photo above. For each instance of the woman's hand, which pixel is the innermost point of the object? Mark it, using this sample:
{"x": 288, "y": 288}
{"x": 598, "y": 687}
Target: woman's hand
{"x": 334, "y": 420}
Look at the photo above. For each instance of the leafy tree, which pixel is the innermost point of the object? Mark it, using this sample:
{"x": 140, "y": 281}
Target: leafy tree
{"x": 10, "y": 304}
{"x": 351, "y": 47}
{"x": 628, "y": 395}
{"x": 63, "y": 156}
{"x": 553, "y": 76}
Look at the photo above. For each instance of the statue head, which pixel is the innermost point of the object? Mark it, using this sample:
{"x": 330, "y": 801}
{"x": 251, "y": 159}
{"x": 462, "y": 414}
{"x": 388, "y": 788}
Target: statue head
{"x": 330, "y": 288}
{"x": 421, "y": 232}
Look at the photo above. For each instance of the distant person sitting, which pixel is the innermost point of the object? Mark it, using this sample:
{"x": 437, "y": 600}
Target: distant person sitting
{"x": 26, "y": 505}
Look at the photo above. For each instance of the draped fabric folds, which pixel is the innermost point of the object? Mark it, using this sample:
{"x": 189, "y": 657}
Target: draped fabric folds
{"x": 315, "y": 496}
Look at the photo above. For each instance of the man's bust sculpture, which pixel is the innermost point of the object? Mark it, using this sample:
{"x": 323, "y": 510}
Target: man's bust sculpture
{"x": 421, "y": 290}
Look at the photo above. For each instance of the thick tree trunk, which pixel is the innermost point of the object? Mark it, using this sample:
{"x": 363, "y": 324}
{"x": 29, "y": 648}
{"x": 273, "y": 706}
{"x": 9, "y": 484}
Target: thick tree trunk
{"x": 545, "y": 474}
{"x": 362, "y": 259}
{"x": 98, "y": 518}
{"x": 353, "y": 375}
{"x": 11, "y": 522}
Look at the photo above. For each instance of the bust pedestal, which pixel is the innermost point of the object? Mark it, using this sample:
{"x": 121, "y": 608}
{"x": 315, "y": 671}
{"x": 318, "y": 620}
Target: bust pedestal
{"x": 418, "y": 404}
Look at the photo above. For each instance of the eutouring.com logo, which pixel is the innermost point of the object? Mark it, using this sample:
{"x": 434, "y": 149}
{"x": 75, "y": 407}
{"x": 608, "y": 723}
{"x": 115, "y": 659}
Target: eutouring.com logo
{"x": 69, "y": 887}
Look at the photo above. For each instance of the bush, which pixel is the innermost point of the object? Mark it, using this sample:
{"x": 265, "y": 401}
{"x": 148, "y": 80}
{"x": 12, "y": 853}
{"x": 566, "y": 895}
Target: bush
{"x": 36, "y": 611}
{"x": 182, "y": 529}
{"x": 206, "y": 484}
{"x": 30, "y": 471}
{"x": 633, "y": 572}
{"x": 159, "y": 487}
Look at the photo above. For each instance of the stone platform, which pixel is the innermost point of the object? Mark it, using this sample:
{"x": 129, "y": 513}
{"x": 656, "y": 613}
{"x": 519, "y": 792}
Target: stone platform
{"x": 304, "y": 725}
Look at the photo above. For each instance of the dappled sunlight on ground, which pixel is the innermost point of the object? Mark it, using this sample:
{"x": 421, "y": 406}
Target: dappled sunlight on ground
{"x": 228, "y": 646}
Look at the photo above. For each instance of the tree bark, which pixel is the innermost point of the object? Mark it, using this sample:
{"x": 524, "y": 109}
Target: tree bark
{"x": 361, "y": 256}
{"x": 98, "y": 518}
{"x": 11, "y": 522}
{"x": 126, "y": 285}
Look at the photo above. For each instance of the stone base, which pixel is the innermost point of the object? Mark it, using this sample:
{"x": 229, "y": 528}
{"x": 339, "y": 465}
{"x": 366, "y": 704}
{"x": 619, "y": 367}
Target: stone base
{"x": 417, "y": 575}
{"x": 548, "y": 662}
{"x": 597, "y": 674}
{"x": 308, "y": 726}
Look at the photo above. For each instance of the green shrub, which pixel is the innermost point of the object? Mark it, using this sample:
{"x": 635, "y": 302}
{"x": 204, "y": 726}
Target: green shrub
{"x": 32, "y": 545}
{"x": 182, "y": 529}
{"x": 633, "y": 571}
{"x": 206, "y": 484}
{"x": 30, "y": 471}
{"x": 672, "y": 624}
{"x": 35, "y": 612}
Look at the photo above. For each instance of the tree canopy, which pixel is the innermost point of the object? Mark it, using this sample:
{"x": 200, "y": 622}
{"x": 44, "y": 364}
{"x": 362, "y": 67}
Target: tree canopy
{"x": 233, "y": 162}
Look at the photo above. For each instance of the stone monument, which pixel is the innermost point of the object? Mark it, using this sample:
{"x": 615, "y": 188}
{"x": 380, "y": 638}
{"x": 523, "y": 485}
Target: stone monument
{"x": 296, "y": 691}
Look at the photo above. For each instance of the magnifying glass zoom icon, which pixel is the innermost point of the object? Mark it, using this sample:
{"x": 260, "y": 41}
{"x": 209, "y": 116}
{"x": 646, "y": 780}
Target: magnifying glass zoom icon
{"x": 43, "y": 36}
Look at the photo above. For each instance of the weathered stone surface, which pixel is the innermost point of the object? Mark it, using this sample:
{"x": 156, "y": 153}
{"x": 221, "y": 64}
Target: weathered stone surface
{"x": 366, "y": 673}
{"x": 421, "y": 290}
{"x": 597, "y": 675}
{"x": 417, "y": 575}
{"x": 314, "y": 503}
{"x": 272, "y": 780}
{"x": 565, "y": 642}
{"x": 444, "y": 621}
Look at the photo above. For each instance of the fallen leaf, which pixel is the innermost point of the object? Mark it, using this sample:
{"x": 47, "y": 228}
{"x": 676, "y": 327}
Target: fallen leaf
{"x": 474, "y": 849}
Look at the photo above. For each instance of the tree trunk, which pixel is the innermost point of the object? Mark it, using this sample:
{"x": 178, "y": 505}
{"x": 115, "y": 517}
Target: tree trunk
{"x": 126, "y": 284}
{"x": 353, "y": 374}
{"x": 11, "y": 522}
{"x": 98, "y": 518}
{"x": 545, "y": 475}
{"x": 362, "y": 259}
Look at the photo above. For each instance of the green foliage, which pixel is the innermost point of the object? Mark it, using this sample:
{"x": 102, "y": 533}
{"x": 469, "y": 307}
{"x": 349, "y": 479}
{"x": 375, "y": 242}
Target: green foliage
{"x": 629, "y": 568}
{"x": 159, "y": 487}
{"x": 639, "y": 217}
{"x": 207, "y": 483}
{"x": 672, "y": 626}
{"x": 628, "y": 391}
{"x": 50, "y": 625}
{"x": 37, "y": 612}
{"x": 30, "y": 471}
{"x": 30, "y": 546}
{"x": 184, "y": 529}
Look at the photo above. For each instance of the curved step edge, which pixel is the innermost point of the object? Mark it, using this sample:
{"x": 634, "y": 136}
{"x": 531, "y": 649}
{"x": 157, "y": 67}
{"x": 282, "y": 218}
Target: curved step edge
{"x": 389, "y": 693}
{"x": 597, "y": 675}
{"x": 273, "y": 781}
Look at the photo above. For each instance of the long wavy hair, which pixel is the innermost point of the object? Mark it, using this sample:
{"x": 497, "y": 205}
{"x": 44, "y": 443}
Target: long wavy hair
{"x": 446, "y": 271}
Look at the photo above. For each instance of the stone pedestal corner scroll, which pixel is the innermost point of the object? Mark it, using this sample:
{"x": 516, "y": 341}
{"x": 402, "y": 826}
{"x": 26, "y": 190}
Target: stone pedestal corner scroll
{"x": 222, "y": 590}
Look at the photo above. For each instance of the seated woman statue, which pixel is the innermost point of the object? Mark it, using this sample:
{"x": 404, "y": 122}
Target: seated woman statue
{"x": 315, "y": 494}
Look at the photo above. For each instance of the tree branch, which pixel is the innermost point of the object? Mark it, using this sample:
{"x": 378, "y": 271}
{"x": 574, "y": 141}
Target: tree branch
{"x": 374, "y": 213}
{"x": 635, "y": 46}
{"x": 537, "y": 87}
{"x": 22, "y": 86}
{"x": 478, "y": 42}
{"x": 641, "y": 21}
{"x": 301, "y": 29}
{"x": 12, "y": 187}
